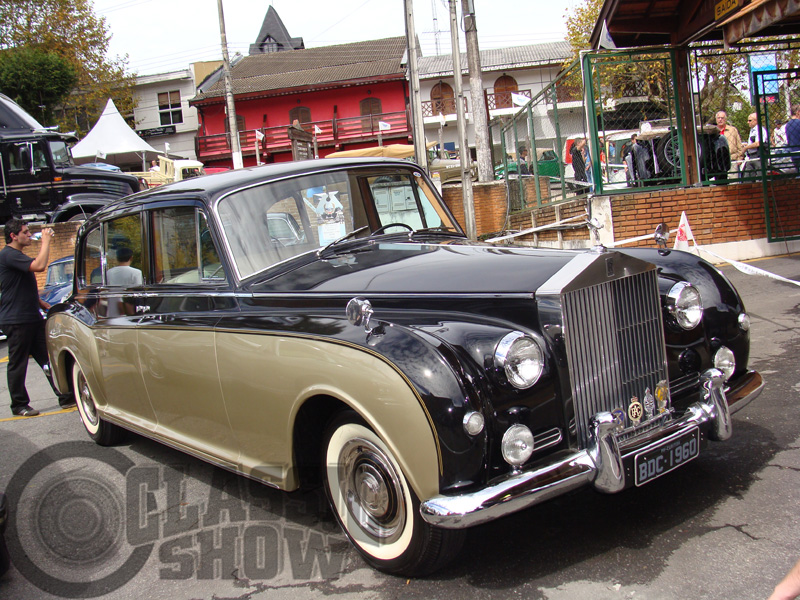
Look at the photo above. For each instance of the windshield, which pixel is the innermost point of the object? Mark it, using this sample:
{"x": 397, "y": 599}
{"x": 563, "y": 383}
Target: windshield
{"x": 60, "y": 153}
{"x": 60, "y": 273}
{"x": 268, "y": 223}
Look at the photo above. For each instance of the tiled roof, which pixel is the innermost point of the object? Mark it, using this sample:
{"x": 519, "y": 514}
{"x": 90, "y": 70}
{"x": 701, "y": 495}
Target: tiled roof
{"x": 517, "y": 57}
{"x": 314, "y": 66}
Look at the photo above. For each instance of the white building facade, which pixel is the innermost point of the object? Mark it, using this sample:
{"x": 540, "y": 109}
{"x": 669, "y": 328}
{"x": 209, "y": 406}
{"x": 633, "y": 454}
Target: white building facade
{"x": 163, "y": 115}
{"x": 521, "y": 72}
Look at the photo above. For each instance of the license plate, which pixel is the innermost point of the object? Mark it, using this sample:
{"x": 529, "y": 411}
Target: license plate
{"x": 669, "y": 454}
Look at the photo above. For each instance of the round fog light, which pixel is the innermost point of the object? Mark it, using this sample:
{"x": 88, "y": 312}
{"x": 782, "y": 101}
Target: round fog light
{"x": 517, "y": 445}
{"x": 725, "y": 361}
{"x": 744, "y": 322}
{"x": 473, "y": 423}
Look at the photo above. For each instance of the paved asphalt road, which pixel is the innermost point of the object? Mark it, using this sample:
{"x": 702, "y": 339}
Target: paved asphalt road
{"x": 144, "y": 521}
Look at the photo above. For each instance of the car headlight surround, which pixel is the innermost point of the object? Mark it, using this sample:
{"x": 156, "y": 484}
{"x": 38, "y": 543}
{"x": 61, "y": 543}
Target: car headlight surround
{"x": 725, "y": 361}
{"x": 521, "y": 358}
{"x": 517, "y": 445}
{"x": 685, "y": 305}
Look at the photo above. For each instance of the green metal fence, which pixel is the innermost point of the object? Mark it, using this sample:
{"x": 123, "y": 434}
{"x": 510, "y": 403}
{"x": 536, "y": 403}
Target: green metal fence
{"x": 629, "y": 93}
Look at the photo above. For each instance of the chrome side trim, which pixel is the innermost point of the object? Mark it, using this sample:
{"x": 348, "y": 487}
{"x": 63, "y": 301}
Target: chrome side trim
{"x": 600, "y": 464}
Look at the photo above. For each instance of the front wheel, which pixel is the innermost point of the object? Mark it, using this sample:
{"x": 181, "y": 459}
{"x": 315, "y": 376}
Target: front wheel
{"x": 376, "y": 507}
{"x": 102, "y": 432}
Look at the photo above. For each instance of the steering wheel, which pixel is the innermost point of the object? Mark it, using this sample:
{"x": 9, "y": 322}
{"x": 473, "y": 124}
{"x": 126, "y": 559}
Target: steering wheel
{"x": 385, "y": 227}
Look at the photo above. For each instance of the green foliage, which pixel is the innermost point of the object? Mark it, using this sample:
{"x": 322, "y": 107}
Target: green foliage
{"x": 580, "y": 25}
{"x": 37, "y": 80}
{"x": 71, "y": 30}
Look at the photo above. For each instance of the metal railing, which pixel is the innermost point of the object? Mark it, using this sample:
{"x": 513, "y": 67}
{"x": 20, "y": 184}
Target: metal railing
{"x": 329, "y": 132}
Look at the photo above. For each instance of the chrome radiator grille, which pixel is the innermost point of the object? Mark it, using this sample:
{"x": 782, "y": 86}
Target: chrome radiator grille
{"x": 615, "y": 345}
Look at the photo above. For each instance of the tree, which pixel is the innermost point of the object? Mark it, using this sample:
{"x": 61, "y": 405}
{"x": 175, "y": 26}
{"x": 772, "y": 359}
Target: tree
{"x": 71, "y": 30}
{"x": 37, "y": 80}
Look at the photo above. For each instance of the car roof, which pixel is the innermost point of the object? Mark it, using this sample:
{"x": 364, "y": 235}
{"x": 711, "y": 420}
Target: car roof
{"x": 211, "y": 187}
{"x": 63, "y": 259}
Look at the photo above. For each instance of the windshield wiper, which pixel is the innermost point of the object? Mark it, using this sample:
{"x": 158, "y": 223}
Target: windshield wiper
{"x": 321, "y": 253}
{"x": 442, "y": 229}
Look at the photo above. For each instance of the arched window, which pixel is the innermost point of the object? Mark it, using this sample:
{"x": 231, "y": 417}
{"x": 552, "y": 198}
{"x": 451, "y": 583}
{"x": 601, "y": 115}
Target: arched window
{"x": 502, "y": 91}
{"x": 443, "y": 99}
{"x": 371, "y": 109}
{"x": 301, "y": 114}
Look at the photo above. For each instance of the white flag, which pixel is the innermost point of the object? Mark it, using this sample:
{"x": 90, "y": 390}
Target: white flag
{"x": 519, "y": 99}
{"x": 259, "y": 135}
{"x": 684, "y": 234}
{"x": 101, "y": 154}
{"x": 317, "y": 130}
{"x": 605, "y": 40}
{"x": 384, "y": 126}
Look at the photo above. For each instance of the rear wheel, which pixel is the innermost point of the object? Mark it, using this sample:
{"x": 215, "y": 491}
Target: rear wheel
{"x": 102, "y": 432}
{"x": 376, "y": 507}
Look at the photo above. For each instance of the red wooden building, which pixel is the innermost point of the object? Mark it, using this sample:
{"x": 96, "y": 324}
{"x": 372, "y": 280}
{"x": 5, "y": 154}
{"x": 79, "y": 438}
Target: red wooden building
{"x": 346, "y": 94}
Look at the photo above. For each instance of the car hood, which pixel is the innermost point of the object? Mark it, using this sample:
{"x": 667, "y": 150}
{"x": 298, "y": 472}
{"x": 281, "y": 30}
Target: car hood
{"x": 407, "y": 268}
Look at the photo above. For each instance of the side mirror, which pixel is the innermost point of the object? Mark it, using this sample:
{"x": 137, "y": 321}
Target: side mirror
{"x": 661, "y": 235}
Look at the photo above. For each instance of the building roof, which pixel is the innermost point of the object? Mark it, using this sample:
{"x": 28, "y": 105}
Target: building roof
{"x": 274, "y": 37}
{"x": 517, "y": 57}
{"x": 314, "y": 67}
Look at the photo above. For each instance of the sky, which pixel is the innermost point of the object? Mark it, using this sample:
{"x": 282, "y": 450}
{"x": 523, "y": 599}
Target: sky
{"x": 159, "y": 36}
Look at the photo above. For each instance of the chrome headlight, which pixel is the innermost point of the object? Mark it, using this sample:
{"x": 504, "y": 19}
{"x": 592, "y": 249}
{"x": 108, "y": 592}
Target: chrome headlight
{"x": 725, "y": 361}
{"x": 517, "y": 445}
{"x": 685, "y": 305}
{"x": 521, "y": 358}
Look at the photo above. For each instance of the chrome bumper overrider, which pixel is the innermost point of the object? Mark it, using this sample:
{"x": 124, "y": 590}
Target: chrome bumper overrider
{"x": 600, "y": 464}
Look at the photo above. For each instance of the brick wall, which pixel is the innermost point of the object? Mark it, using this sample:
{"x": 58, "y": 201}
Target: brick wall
{"x": 717, "y": 214}
{"x": 490, "y": 205}
{"x": 63, "y": 244}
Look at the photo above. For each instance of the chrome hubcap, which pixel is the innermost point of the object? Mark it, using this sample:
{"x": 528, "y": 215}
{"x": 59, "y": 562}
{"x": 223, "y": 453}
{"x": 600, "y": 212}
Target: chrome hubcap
{"x": 372, "y": 490}
{"x": 85, "y": 398}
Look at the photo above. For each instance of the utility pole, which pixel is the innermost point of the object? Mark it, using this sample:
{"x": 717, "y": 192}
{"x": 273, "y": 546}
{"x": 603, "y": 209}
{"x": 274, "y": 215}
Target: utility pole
{"x": 236, "y": 150}
{"x": 479, "y": 119}
{"x": 418, "y": 127}
{"x": 463, "y": 142}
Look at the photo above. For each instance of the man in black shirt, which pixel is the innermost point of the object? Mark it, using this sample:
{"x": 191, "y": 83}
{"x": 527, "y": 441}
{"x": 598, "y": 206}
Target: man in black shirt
{"x": 20, "y": 318}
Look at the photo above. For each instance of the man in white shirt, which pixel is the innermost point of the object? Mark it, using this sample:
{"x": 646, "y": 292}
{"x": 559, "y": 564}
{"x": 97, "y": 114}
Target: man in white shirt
{"x": 124, "y": 274}
{"x": 752, "y": 160}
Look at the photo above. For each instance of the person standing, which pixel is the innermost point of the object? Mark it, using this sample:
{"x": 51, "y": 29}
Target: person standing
{"x": 793, "y": 136}
{"x": 20, "y": 318}
{"x": 731, "y": 134}
{"x": 752, "y": 160}
{"x": 578, "y": 160}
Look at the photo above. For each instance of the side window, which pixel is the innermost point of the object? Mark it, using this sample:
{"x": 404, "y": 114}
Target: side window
{"x": 184, "y": 250}
{"x": 19, "y": 157}
{"x": 91, "y": 271}
{"x": 124, "y": 258}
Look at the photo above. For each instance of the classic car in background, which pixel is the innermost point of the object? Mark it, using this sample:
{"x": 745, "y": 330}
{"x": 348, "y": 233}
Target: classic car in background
{"x": 58, "y": 284}
{"x": 429, "y": 383}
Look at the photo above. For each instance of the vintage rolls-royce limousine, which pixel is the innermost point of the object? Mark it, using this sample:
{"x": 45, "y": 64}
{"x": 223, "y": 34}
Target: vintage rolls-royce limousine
{"x": 329, "y": 322}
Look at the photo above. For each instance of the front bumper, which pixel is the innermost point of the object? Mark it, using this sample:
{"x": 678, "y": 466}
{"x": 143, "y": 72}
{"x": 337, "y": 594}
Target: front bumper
{"x": 601, "y": 464}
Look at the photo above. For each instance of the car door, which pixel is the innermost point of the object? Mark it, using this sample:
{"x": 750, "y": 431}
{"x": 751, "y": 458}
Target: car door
{"x": 28, "y": 181}
{"x": 113, "y": 302}
{"x": 188, "y": 295}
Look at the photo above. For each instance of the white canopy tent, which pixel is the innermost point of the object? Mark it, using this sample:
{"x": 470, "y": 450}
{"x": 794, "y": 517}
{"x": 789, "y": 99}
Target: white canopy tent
{"x": 113, "y": 141}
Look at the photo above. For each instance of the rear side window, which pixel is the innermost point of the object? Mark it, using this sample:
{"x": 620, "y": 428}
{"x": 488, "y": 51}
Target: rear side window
{"x": 183, "y": 249}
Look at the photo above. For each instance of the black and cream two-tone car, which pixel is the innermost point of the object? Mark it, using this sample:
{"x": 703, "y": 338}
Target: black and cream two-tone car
{"x": 329, "y": 322}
